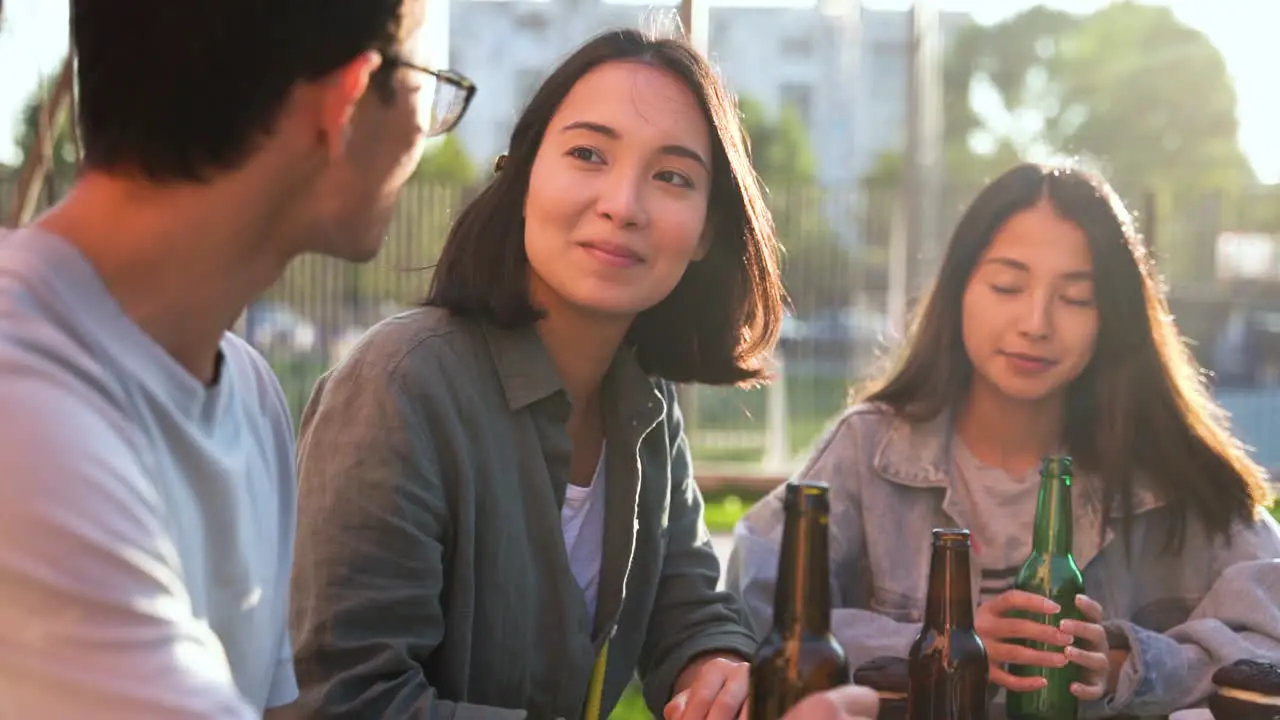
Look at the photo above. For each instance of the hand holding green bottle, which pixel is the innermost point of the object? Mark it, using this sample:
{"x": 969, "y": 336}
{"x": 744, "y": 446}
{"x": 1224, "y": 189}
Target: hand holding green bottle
{"x": 1091, "y": 651}
{"x": 1049, "y": 631}
{"x": 1085, "y": 642}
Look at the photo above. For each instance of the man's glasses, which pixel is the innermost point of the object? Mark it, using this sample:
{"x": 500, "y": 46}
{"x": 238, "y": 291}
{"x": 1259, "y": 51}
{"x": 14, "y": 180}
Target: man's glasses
{"x": 449, "y": 99}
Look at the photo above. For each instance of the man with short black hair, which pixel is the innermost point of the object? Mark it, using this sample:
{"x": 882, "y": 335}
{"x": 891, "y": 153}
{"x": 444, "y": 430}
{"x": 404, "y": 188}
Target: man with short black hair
{"x": 147, "y": 491}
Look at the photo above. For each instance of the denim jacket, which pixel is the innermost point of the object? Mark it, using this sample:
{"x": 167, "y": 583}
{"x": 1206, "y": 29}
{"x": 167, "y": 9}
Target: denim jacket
{"x": 1181, "y": 616}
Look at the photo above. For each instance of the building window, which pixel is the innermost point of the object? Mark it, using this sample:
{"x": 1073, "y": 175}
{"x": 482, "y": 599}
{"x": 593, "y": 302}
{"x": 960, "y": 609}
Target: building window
{"x": 532, "y": 23}
{"x": 890, "y": 50}
{"x": 719, "y": 32}
{"x": 799, "y": 98}
{"x": 797, "y": 47}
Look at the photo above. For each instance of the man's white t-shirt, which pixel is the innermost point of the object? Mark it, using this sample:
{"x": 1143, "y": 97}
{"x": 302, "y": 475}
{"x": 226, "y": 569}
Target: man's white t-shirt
{"x": 146, "y": 519}
{"x": 582, "y": 520}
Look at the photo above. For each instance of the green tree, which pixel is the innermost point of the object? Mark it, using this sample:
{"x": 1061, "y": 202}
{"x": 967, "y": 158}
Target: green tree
{"x": 815, "y": 266}
{"x": 1011, "y": 61}
{"x": 64, "y": 150}
{"x": 1130, "y": 87}
{"x": 780, "y": 148}
{"x": 447, "y": 163}
{"x": 1149, "y": 97}
{"x": 1013, "y": 58}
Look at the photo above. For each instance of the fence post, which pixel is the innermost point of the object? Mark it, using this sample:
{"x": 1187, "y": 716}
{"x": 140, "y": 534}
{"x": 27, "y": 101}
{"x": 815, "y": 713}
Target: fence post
{"x": 694, "y": 16}
{"x": 923, "y": 157}
{"x": 898, "y": 269}
{"x": 777, "y": 442}
{"x": 1149, "y": 210}
{"x": 687, "y": 396}
{"x": 52, "y": 113}
{"x": 1209, "y": 227}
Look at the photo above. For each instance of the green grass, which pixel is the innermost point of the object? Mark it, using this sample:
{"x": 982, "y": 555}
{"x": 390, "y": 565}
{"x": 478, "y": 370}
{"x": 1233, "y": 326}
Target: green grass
{"x": 722, "y": 511}
{"x": 801, "y": 432}
{"x": 725, "y": 413}
{"x": 631, "y": 706}
{"x": 298, "y": 377}
{"x": 740, "y": 416}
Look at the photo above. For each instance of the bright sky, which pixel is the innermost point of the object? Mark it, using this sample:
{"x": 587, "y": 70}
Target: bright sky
{"x": 33, "y": 42}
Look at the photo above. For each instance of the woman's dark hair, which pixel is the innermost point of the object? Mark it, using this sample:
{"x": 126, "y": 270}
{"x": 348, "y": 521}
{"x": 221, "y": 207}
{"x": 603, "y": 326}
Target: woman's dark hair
{"x": 722, "y": 319}
{"x": 1140, "y": 407}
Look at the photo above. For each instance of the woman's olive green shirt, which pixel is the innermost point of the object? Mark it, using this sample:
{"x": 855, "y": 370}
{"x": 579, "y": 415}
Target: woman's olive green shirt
{"x": 431, "y": 579}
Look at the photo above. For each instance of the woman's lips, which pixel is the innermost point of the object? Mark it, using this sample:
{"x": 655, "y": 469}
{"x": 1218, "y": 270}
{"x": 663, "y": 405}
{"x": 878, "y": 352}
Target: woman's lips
{"x": 612, "y": 254}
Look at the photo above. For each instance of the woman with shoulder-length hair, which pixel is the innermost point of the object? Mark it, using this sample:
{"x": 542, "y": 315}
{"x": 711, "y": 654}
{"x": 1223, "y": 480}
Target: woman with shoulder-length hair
{"x": 497, "y": 502}
{"x": 1045, "y": 333}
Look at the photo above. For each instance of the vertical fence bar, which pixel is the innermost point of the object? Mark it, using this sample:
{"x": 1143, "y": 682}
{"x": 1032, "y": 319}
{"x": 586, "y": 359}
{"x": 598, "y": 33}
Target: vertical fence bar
{"x": 1150, "y": 207}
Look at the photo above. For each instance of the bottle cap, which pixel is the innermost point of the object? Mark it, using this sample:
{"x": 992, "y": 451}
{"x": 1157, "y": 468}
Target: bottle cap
{"x": 1056, "y": 465}
{"x": 808, "y": 494}
{"x": 951, "y": 537}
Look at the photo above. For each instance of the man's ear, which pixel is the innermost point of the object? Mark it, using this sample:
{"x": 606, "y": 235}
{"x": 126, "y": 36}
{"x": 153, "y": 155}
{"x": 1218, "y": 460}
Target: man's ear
{"x": 341, "y": 91}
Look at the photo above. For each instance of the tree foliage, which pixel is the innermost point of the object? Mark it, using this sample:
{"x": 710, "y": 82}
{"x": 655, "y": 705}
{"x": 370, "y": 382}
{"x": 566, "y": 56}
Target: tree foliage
{"x": 815, "y": 267}
{"x": 1149, "y": 97}
{"x": 446, "y": 163}
{"x": 1137, "y": 92}
{"x": 63, "y": 149}
{"x": 780, "y": 147}
{"x": 1130, "y": 89}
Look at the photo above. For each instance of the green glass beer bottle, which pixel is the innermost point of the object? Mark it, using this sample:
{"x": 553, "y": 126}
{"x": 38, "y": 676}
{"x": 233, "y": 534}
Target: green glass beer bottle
{"x": 799, "y": 656}
{"x": 1051, "y": 572}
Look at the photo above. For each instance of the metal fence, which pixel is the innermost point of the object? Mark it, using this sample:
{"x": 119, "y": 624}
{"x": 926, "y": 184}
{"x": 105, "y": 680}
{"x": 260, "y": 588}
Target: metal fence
{"x": 840, "y": 332}
{"x": 837, "y": 272}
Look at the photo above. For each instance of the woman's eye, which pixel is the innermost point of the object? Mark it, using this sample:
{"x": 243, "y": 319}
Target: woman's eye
{"x": 585, "y": 154}
{"x": 675, "y": 178}
{"x": 1004, "y": 289}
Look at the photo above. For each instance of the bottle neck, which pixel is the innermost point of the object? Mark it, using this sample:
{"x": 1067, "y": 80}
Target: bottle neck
{"x": 802, "y": 600}
{"x": 1052, "y": 533}
{"x": 949, "y": 603}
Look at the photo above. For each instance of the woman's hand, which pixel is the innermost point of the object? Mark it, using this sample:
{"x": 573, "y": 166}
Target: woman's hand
{"x": 715, "y": 688}
{"x": 996, "y": 630}
{"x": 847, "y": 702}
{"x": 1092, "y": 652}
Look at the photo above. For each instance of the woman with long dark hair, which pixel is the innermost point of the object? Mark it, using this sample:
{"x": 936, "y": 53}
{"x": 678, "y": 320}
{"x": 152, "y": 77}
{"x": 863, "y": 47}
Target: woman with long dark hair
{"x": 1046, "y": 332}
{"x": 497, "y": 511}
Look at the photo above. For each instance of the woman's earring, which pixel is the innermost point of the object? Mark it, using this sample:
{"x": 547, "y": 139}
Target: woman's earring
{"x": 499, "y": 163}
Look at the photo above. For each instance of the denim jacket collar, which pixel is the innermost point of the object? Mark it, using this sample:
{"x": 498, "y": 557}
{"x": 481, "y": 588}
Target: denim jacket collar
{"x": 919, "y": 455}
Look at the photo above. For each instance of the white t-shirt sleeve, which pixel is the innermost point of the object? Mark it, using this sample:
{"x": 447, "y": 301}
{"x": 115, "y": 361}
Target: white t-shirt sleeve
{"x": 284, "y": 682}
{"x": 284, "y": 679}
{"x": 95, "y": 620}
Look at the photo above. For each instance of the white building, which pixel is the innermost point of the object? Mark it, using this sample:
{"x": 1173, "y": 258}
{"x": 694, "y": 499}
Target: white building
{"x": 843, "y": 68}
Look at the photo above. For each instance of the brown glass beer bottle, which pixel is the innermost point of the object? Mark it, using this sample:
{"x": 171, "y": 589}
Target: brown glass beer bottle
{"x": 799, "y": 656}
{"x": 947, "y": 664}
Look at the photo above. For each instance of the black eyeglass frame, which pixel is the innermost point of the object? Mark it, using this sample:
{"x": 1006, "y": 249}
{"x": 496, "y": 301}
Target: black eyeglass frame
{"x": 449, "y": 77}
